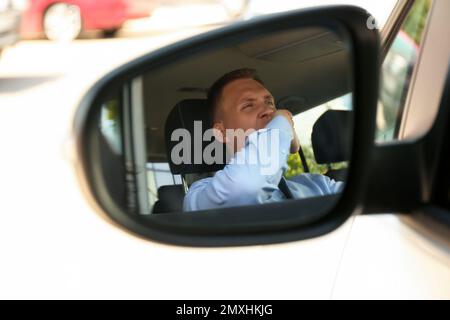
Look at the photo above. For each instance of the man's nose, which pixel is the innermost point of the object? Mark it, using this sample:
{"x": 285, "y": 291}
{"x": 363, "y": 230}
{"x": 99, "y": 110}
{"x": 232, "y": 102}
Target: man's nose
{"x": 266, "y": 112}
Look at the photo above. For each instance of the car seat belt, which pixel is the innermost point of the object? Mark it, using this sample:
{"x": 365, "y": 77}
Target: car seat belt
{"x": 303, "y": 159}
{"x": 283, "y": 186}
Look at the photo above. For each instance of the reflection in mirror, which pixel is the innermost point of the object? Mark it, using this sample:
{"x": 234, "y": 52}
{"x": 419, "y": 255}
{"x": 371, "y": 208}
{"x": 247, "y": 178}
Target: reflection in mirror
{"x": 259, "y": 121}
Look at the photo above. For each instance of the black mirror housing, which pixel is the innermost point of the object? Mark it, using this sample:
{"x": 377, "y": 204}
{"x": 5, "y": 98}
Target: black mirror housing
{"x": 270, "y": 223}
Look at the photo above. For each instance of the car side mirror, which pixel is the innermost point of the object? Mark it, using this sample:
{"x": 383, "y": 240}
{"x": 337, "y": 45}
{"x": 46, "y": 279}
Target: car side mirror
{"x": 323, "y": 59}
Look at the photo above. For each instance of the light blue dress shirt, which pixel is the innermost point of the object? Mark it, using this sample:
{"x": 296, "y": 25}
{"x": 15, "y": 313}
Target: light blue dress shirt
{"x": 244, "y": 182}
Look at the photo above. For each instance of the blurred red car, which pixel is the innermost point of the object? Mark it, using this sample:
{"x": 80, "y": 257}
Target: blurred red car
{"x": 66, "y": 19}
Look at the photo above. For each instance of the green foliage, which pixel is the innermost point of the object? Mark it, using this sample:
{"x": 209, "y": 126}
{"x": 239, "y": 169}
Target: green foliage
{"x": 415, "y": 22}
{"x": 112, "y": 108}
{"x": 295, "y": 166}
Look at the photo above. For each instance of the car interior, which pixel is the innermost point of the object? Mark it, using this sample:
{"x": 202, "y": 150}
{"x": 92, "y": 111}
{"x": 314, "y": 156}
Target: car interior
{"x": 302, "y": 69}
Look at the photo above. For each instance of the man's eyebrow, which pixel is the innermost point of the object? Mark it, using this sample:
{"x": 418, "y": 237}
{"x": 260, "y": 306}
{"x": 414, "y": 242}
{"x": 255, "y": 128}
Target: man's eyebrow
{"x": 246, "y": 99}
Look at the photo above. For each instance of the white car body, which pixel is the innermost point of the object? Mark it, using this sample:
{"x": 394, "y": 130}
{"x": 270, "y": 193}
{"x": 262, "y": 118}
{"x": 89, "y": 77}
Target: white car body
{"x": 56, "y": 243}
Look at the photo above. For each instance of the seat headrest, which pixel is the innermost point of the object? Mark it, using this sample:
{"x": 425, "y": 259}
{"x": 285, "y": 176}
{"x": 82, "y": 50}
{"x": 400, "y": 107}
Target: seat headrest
{"x": 331, "y": 136}
{"x": 183, "y": 116}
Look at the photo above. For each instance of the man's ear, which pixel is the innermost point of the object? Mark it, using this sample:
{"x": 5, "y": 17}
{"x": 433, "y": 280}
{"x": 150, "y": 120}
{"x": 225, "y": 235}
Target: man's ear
{"x": 219, "y": 131}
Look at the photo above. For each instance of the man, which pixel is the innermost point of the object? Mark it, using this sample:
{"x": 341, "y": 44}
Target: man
{"x": 240, "y": 103}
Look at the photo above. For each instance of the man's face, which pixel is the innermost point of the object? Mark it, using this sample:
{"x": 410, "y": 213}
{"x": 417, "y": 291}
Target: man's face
{"x": 245, "y": 104}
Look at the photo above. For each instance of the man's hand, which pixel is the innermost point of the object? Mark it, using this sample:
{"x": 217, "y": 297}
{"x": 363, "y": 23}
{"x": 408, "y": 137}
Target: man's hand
{"x": 295, "y": 143}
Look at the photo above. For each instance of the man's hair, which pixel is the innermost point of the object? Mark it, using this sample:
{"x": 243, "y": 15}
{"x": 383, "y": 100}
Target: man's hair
{"x": 215, "y": 91}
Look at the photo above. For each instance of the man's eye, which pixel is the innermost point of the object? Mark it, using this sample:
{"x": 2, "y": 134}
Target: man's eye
{"x": 247, "y": 106}
{"x": 270, "y": 102}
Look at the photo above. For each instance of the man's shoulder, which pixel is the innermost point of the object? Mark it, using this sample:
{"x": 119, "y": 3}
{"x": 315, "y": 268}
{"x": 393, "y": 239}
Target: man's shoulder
{"x": 199, "y": 183}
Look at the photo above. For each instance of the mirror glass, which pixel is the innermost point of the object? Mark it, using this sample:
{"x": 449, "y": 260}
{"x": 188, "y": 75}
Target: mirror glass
{"x": 261, "y": 120}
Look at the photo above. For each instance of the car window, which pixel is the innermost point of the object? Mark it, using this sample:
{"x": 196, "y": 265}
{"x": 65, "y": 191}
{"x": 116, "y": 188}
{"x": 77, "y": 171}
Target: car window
{"x": 111, "y": 149}
{"x": 304, "y": 123}
{"x": 397, "y": 71}
{"x": 110, "y": 125}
